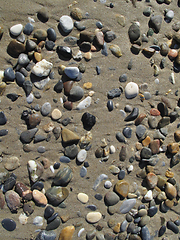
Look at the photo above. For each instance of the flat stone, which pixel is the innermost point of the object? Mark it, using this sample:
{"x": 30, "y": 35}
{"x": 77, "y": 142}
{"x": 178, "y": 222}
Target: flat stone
{"x": 152, "y": 121}
{"x": 43, "y": 15}
{"x": 93, "y": 217}
{"x": 83, "y": 198}
{"x": 16, "y": 29}
{"x": 146, "y": 153}
{"x": 46, "y": 109}
{"x": 15, "y": 48}
{"x": 116, "y": 51}
{"x": 66, "y": 23}
{"x": 12, "y": 163}
{"x": 109, "y": 36}
{"x": 175, "y": 159}
{"x": 127, "y": 131}
{"x": 134, "y": 32}
{"x": 72, "y": 72}
{"x": 127, "y": 205}
{"x": 39, "y": 197}
{"x": 69, "y": 136}
{"x": 12, "y": 200}
{"x": 139, "y": 119}
{"x": 28, "y": 135}
{"x": 173, "y": 148}
{"x": 123, "y": 78}
{"x": 154, "y": 146}
{"x": 40, "y": 34}
{"x": 122, "y": 188}
{"x": 120, "y": 137}
{"x": 111, "y": 198}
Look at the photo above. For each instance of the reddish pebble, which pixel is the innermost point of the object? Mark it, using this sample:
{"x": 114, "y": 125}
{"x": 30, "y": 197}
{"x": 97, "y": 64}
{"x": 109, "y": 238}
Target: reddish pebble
{"x": 139, "y": 119}
{"x": 154, "y": 112}
{"x": 172, "y": 54}
{"x": 151, "y": 179}
{"x": 154, "y": 146}
{"x": 2, "y": 200}
{"x": 68, "y": 105}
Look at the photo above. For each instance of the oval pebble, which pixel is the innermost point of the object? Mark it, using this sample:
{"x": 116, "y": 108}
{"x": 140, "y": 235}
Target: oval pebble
{"x": 110, "y": 105}
{"x": 28, "y": 29}
{"x": 46, "y": 235}
{"x": 173, "y": 227}
{"x": 9, "y": 74}
{"x": 19, "y": 78}
{"x": 92, "y": 207}
{"x": 64, "y": 159}
{"x": 121, "y": 175}
{"x": 83, "y": 172}
{"x": 46, "y": 109}
{"x": 16, "y": 29}
{"x": 131, "y": 90}
{"x": 162, "y": 230}
{"x": 108, "y": 184}
{"x": 127, "y": 205}
{"x": 66, "y": 23}
{"x": 145, "y": 233}
{"x": 81, "y": 157}
{"x": 8, "y": 224}
{"x": 51, "y": 34}
{"x": 127, "y": 131}
{"x": 93, "y": 217}
{"x": 83, "y": 198}
{"x": 48, "y": 212}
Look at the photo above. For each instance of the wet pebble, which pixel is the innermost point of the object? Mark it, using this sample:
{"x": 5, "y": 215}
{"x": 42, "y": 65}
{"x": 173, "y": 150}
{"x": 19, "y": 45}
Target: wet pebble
{"x": 110, "y": 105}
{"x": 8, "y": 224}
{"x": 51, "y": 34}
{"x": 66, "y": 23}
{"x": 173, "y": 227}
{"x": 127, "y": 131}
{"x": 152, "y": 211}
{"x": 28, "y": 29}
{"x": 133, "y": 115}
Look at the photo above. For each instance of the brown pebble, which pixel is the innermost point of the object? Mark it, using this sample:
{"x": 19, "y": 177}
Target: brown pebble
{"x": 34, "y": 120}
{"x": 154, "y": 146}
{"x": 48, "y": 127}
{"x": 116, "y": 228}
{"x": 99, "y": 37}
{"x": 172, "y": 54}
{"x": 23, "y": 191}
{"x": 146, "y": 141}
{"x": 170, "y": 190}
{"x": 39, "y": 197}
{"x": 12, "y": 163}
{"x": 88, "y": 56}
{"x": 67, "y": 87}
{"x": 122, "y": 154}
{"x": 46, "y": 163}
{"x": 169, "y": 174}
{"x": 68, "y": 105}
{"x": 87, "y": 85}
{"x": 154, "y": 112}
{"x": 28, "y": 208}
{"x": 177, "y": 136}
{"x": 65, "y": 218}
{"x": 173, "y": 148}
{"x": 178, "y": 57}
{"x": 67, "y": 233}
{"x": 2, "y": 200}
{"x": 61, "y": 69}
{"x": 169, "y": 203}
{"x": 122, "y": 188}
{"x": 139, "y": 119}
{"x": 12, "y": 200}
{"x": 15, "y": 48}
{"x": 166, "y": 101}
{"x": 76, "y": 14}
{"x": 151, "y": 179}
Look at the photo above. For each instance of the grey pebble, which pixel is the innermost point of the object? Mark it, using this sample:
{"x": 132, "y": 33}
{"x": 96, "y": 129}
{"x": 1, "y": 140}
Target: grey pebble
{"x": 3, "y": 132}
{"x": 23, "y": 59}
{"x": 152, "y": 121}
{"x": 30, "y": 45}
{"x": 39, "y": 138}
{"x": 71, "y": 151}
{"x": 41, "y": 149}
{"x": 155, "y": 22}
{"x": 140, "y": 131}
{"x": 147, "y": 12}
{"x": 158, "y": 135}
{"x": 111, "y": 198}
{"x": 121, "y": 175}
{"x": 145, "y": 235}
{"x": 130, "y": 64}
{"x": 46, "y": 109}
{"x": 147, "y": 95}
{"x": 64, "y": 159}
{"x": 98, "y": 70}
{"x": 19, "y": 78}
{"x": 92, "y": 207}
{"x": 9, "y": 74}
{"x": 146, "y": 153}
{"x": 54, "y": 224}
{"x": 128, "y": 108}
{"x": 51, "y": 34}
{"x": 49, "y": 45}
{"x": 162, "y": 230}
{"x": 134, "y": 32}
{"x": 28, "y": 135}
{"x": 8, "y": 224}
{"x": 173, "y": 227}
{"x": 98, "y": 196}
{"x": 116, "y": 92}
{"x": 28, "y": 29}
{"x": 120, "y": 137}
{"x": 27, "y": 86}
{"x": 79, "y": 26}
{"x": 123, "y": 226}
{"x": 76, "y": 93}
{"x": 91, "y": 234}
{"x": 152, "y": 211}
{"x": 46, "y": 235}
{"x": 127, "y": 205}
{"x": 144, "y": 221}
{"x": 109, "y": 36}
{"x": 123, "y": 78}
{"x": 83, "y": 172}
{"x": 104, "y": 50}
{"x": 127, "y": 131}
{"x": 133, "y": 115}
{"x": 99, "y": 25}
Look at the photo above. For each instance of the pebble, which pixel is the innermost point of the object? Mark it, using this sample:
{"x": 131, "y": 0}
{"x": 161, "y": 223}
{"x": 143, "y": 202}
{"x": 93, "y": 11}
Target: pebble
{"x": 116, "y": 92}
{"x": 133, "y": 115}
{"x": 108, "y": 184}
{"x": 83, "y": 198}
{"x": 56, "y": 195}
{"x": 93, "y": 217}
{"x": 72, "y": 72}
{"x": 127, "y": 205}
{"x": 43, "y": 15}
{"x": 12, "y": 163}
{"x": 140, "y": 131}
{"x": 39, "y": 197}
{"x": 9, "y": 74}
{"x": 40, "y": 34}
{"x": 82, "y": 155}
{"x": 173, "y": 227}
{"x": 131, "y": 90}
{"x": 28, "y": 208}
{"x": 64, "y": 159}
{"x": 8, "y": 224}
{"x": 111, "y": 198}
{"x": 67, "y": 233}
{"x": 84, "y": 103}
{"x": 63, "y": 177}
{"x": 148, "y": 196}
{"x": 71, "y": 151}
{"x": 66, "y": 23}
{"x": 28, "y": 135}
{"x": 46, "y": 109}
{"x": 88, "y": 120}
{"x": 145, "y": 233}
{"x": 76, "y": 93}
{"x": 116, "y": 51}
{"x": 28, "y": 29}
{"x": 169, "y": 15}
{"x": 120, "y": 137}
{"x": 110, "y": 105}
{"x": 38, "y": 221}
{"x": 83, "y": 172}
{"x": 12, "y": 200}
{"x": 170, "y": 191}
{"x": 152, "y": 211}
{"x": 3, "y": 132}
{"x": 42, "y": 68}
{"x": 155, "y": 22}
{"x": 127, "y": 131}
{"x": 68, "y": 136}
{"x": 16, "y": 29}
{"x": 146, "y": 153}
{"x": 56, "y": 114}
{"x": 23, "y": 59}
{"x": 46, "y": 235}
{"x": 15, "y": 48}
{"x": 122, "y": 188}
{"x": 134, "y": 32}
{"x": 123, "y": 153}
{"x": 99, "y": 179}
{"x": 38, "y": 186}
{"x": 123, "y": 78}
{"x": 109, "y": 36}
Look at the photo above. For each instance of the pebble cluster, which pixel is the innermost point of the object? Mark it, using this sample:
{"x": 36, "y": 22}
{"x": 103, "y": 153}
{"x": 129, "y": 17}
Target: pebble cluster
{"x": 33, "y": 73}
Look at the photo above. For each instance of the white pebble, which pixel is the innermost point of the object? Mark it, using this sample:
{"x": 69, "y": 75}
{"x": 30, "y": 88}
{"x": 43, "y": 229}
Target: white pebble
{"x": 156, "y": 81}
{"x": 82, "y": 154}
{"x": 81, "y": 231}
{"x": 38, "y": 221}
{"x": 66, "y": 23}
{"x": 112, "y": 149}
{"x": 131, "y": 90}
{"x": 52, "y": 168}
{"x": 23, "y": 218}
{"x": 130, "y": 168}
{"x": 83, "y": 198}
{"x": 91, "y": 93}
{"x": 31, "y": 20}
{"x": 123, "y": 114}
{"x": 42, "y": 68}
{"x": 16, "y": 29}
{"x": 56, "y": 114}
{"x": 171, "y": 78}
{"x": 93, "y": 217}
{"x": 61, "y": 100}
{"x": 30, "y": 98}
{"x": 84, "y": 103}
{"x": 108, "y": 184}
{"x": 148, "y": 196}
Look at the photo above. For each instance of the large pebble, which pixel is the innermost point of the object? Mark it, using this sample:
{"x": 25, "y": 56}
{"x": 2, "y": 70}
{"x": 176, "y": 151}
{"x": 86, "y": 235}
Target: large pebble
{"x": 53, "y": 224}
{"x": 9, "y": 74}
{"x": 173, "y": 227}
{"x": 3, "y": 119}
{"x": 131, "y": 90}
{"x": 56, "y": 195}
{"x": 134, "y": 32}
{"x": 145, "y": 234}
{"x": 84, "y": 103}
{"x": 39, "y": 197}
{"x": 81, "y": 157}
{"x": 40, "y": 34}
{"x": 12, "y": 200}
{"x": 69, "y": 136}
{"x": 8, "y": 224}
{"x": 42, "y": 68}
{"x": 170, "y": 191}
{"x": 133, "y": 115}
{"x": 72, "y": 72}
{"x": 155, "y": 22}
{"x": 111, "y": 198}
{"x": 93, "y": 217}
{"x": 63, "y": 177}
{"x": 15, "y": 48}
{"x": 28, "y": 135}
{"x": 116, "y": 51}
{"x": 71, "y": 151}
{"x": 16, "y": 29}
{"x": 82, "y": 197}
{"x": 28, "y": 29}
{"x": 88, "y": 120}
{"x": 66, "y": 23}
{"x": 46, "y": 109}
{"x": 76, "y": 93}
{"x": 67, "y": 233}
{"x": 127, "y": 205}
{"x": 12, "y": 163}
{"x": 46, "y": 235}
{"x": 122, "y": 188}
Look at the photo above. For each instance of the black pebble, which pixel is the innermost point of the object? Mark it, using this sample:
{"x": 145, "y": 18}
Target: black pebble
{"x": 3, "y": 119}
{"x": 121, "y": 175}
{"x": 37, "y": 185}
{"x": 48, "y": 212}
{"x": 50, "y": 219}
{"x": 9, "y": 183}
{"x": 8, "y": 224}
{"x": 177, "y": 222}
{"x": 51, "y": 34}
{"x": 152, "y": 211}
{"x": 131, "y": 159}
{"x": 142, "y": 206}
{"x": 56, "y": 165}
{"x": 49, "y": 45}
{"x": 88, "y": 120}
{"x": 98, "y": 196}
{"x": 66, "y": 121}
{"x": 127, "y": 132}
{"x": 3, "y": 132}
{"x": 98, "y": 70}
{"x": 64, "y": 52}
{"x": 19, "y": 78}
{"x": 9, "y": 74}
{"x": 162, "y": 230}
{"x": 12, "y": 96}
{"x": 110, "y": 105}
{"x": 173, "y": 227}
{"x": 86, "y": 164}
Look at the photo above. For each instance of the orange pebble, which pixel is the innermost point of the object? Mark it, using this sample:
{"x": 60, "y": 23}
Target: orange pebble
{"x": 146, "y": 141}
{"x": 172, "y": 54}
{"x": 87, "y": 85}
{"x": 154, "y": 112}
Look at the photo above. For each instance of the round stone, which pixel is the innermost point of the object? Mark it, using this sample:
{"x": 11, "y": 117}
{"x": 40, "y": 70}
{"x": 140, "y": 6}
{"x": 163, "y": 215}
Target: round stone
{"x": 39, "y": 197}
{"x": 63, "y": 177}
{"x": 152, "y": 211}
{"x": 116, "y": 51}
{"x": 169, "y": 15}
{"x": 43, "y": 15}
{"x": 3, "y": 119}
{"x": 71, "y": 151}
{"x": 8, "y": 224}
{"x": 16, "y": 29}
{"x": 111, "y": 198}
{"x": 46, "y": 109}
{"x": 83, "y": 198}
{"x": 123, "y": 78}
{"x": 155, "y": 22}
{"x": 127, "y": 131}
{"x": 131, "y": 90}
{"x": 108, "y": 184}
{"x": 93, "y": 217}
{"x": 56, "y": 114}
{"x": 66, "y": 23}
{"x": 121, "y": 175}
{"x": 76, "y": 93}
{"x": 40, "y": 34}
{"x": 146, "y": 153}
{"x": 170, "y": 190}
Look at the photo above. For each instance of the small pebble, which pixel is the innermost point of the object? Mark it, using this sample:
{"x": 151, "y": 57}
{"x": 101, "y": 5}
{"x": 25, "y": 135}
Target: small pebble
{"x": 8, "y": 224}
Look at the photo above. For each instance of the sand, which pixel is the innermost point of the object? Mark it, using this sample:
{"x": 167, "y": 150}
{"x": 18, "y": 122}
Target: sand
{"x": 108, "y": 123}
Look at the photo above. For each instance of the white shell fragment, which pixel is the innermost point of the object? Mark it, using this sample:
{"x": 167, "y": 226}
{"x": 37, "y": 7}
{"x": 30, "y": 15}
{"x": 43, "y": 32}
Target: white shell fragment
{"x": 81, "y": 157}
{"x": 23, "y": 218}
{"x": 42, "y": 68}
{"x": 81, "y": 231}
{"x": 148, "y": 196}
{"x": 84, "y": 103}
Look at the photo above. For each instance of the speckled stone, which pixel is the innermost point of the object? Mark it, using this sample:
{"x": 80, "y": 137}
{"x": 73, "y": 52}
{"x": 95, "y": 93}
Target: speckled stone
{"x": 122, "y": 188}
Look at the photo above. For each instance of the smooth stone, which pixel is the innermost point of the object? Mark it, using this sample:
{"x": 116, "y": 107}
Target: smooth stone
{"x": 27, "y": 86}
{"x": 81, "y": 157}
{"x": 12, "y": 200}
{"x": 104, "y": 50}
{"x": 9, "y": 183}
{"x": 127, "y": 131}
{"x": 114, "y": 170}
{"x": 116, "y": 92}
{"x": 71, "y": 151}
{"x": 108, "y": 184}
{"x": 28, "y": 135}
{"x": 163, "y": 109}
{"x": 134, "y": 32}
{"x": 51, "y": 34}
{"x": 66, "y": 23}
{"x": 155, "y": 22}
{"x": 23, "y": 59}
{"x": 162, "y": 230}
{"x": 169, "y": 15}
{"x": 9, "y": 74}
{"x": 63, "y": 177}
{"x": 92, "y": 207}
{"x": 88, "y": 120}
{"x": 151, "y": 179}
{"x": 46, "y": 109}
{"x": 140, "y": 131}
{"x": 40, "y": 34}
{"x": 175, "y": 159}
{"x": 3, "y": 119}
{"x": 72, "y": 72}
{"x": 12, "y": 163}
{"x": 3, "y": 132}
{"x": 109, "y": 36}
{"x": 152, "y": 121}
{"x": 127, "y": 205}
{"x": 93, "y": 217}
{"x": 56, "y": 195}
{"x": 39, "y": 197}
{"x": 15, "y": 48}
{"x": 83, "y": 198}
{"x": 123, "y": 153}
{"x": 163, "y": 122}
{"x": 42, "y": 68}
{"x": 170, "y": 190}
{"x": 76, "y": 93}
{"x": 110, "y": 105}
{"x": 79, "y": 26}
{"x": 8, "y": 224}
{"x": 123, "y": 78}
{"x": 49, "y": 45}
{"x": 173, "y": 227}
{"x": 116, "y": 51}
{"x": 53, "y": 224}
{"x": 98, "y": 180}
{"x": 152, "y": 211}
{"x": 84, "y": 103}
{"x": 111, "y": 198}
{"x": 83, "y": 172}
{"x": 64, "y": 52}
{"x": 64, "y": 159}
{"x": 121, "y": 175}
{"x": 98, "y": 196}
{"x": 120, "y": 137}
{"x": 30, "y": 45}
{"x": 30, "y": 98}
{"x": 173, "y": 148}
{"x": 123, "y": 226}
{"x": 38, "y": 221}
{"x": 38, "y": 186}
{"x": 34, "y": 120}
{"x": 131, "y": 90}
{"x": 144, "y": 221}
{"x": 28, "y": 29}
{"x": 46, "y": 235}
{"x": 41, "y": 149}
{"x": 56, "y": 114}
{"x": 147, "y": 11}
{"x": 48, "y": 212}
{"x": 148, "y": 196}
{"x": 133, "y": 115}
{"x": 146, "y": 153}
{"x": 58, "y": 87}
{"x": 16, "y": 29}
{"x": 177, "y": 222}
{"x": 122, "y": 188}
{"x": 145, "y": 234}
{"x": 67, "y": 233}
{"x": 68, "y": 136}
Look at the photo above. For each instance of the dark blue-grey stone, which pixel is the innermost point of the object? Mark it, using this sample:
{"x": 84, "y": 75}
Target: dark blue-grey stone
{"x": 109, "y": 36}
{"x": 9, "y": 183}
{"x": 28, "y": 135}
{"x": 134, "y": 32}
{"x": 88, "y": 120}
{"x": 142, "y": 206}
{"x": 79, "y": 77}
{"x": 120, "y": 137}
{"x": 48, "y": 212}
{"x": 12, "y": 96}
{"x": 152, "y": 211}
{"x": 145, "y": 235}
{"x": 155, "y": 22}
{"x": 79, "y": 26}
{"x": 110, "y": 105}
{"x": 19, "y": 78}
{"x": 3, "y": 132}
{"x": 104, "y": 50}
{"x": 133, "y": 115}
{"x": 49, "y": 45}
{"x": 41, "y": 149}
{"x": 37, "y": 185}
{"x": 50, "y": 219}
{"x": 83, "y": 172}
{"x": 39, "y": 138}
{"x": 99, "y": 25}
{"x": 98, "y": 196}
{"x": 72, "y": 41}
{"x": 162, "y": 230}
{"x": 92, "y": 207}
{"x": 121, "y": 175}
{"x": 28, "y": 29}
{"x": 147, "y": 11}
{"x": 64, "y": 159}
{"x": 177, "y": 222}
{"x": 8, "y": 224}
{"x": 23, "y": 59}
{"x": 131, "y": 227}
{"x": 9, "y": 74}
{"x": 56, "y": 165}
{"x": 3, "y": 119}
{"x": 140, "y": 131}
{"x": 123, "y": 226}
{"x": 146, "y": 153}
{"x": 54, "y": 224}
{"x": 30, "y": 45}
{"x": 116, "y": 92}
{"x": 23, "y": 71}
{"x": 127, "y": 131}
{"x": 64, "y": 52}
{"x": 51, "y": 34}
{"x": 27, "y": 86}
{"x": 137, "y": 219}
{"x": 59, "y": 86}
{"x": 123, "y": 78}
{"x": 173, "y": 227}
{"x": 46, "y": 235}
{"x": 71, "y": 151}
{"x": 98, "y": 70}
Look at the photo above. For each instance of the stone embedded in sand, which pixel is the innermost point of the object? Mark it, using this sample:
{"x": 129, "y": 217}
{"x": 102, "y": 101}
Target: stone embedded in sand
{"x": 76, "y": 14}
{"x": 173, "y": 148}
{"x": 56, "y": 195}
{"x": 134, "y": 32}
{"x": 67, "y": 233}
{"x": 83, "y": 198}
{"x": 40, "y": 34}
{"x": 16, "y": 29}
{"x": 39, "y": 197}
{"x": 170, "y": 190}
{"x": 116, "y": 51}
{"x": 155, "y": 22}
{"x": 66, "y": 23}
{"x": 69, "y": 136}
{"x": 177, "y": 136}
{"x": 122, "y": 188}
{"x": 111, "y": 198}
{"x": 151, "y": 179}
{"x": 131, "y": 90}
{"x": 12, "y": 163}
{"x": 42, "y": 68}
{"x": 63, "y": 177}
{"x": 93, "y": 217}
